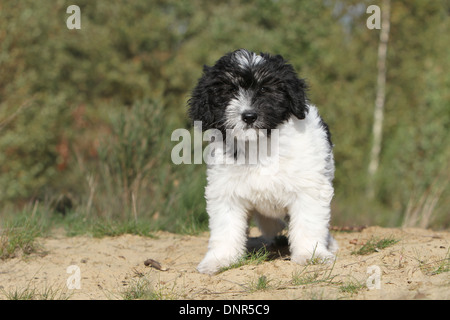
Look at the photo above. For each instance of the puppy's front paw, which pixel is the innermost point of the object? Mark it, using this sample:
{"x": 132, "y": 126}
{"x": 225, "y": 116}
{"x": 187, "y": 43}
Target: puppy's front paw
{"x": 213, "y": 262}
{"x": 208, "y": 266}
{"x": 305, "y": 258}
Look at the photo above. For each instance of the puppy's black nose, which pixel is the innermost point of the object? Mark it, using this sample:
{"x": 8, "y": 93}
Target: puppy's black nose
{"x": 249, "y": 117}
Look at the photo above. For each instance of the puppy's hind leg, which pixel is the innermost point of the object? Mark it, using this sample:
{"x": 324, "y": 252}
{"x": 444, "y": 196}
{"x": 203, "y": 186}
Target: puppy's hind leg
{"x": 332, "y": 244}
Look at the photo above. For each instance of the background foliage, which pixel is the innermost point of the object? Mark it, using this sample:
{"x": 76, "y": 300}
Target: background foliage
{"x": 86, "y": 115}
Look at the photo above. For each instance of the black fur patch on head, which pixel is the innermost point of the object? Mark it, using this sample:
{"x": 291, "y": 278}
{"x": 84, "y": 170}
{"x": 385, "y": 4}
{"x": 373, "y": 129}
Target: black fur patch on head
{"x": 276, "y": 93}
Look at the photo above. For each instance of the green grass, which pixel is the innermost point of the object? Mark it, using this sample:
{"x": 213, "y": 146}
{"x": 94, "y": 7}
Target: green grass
{"x": 436, "y": 267}
{"x": 260, "y": 284}
{"x": 251, "y": 258}
{"x": 313, "y": 276}
{"x": 18, "y": 234}
{"x": 139, "y": 289}
{"x": 76, "y": 223}
{"x": 374, "y": 245}
{"x": 351, "y": 287}
{"x": 305, "y": 276}
{"x": 444, "y": 264}
{"x": 30, "y": 293}
{"x": 299, "y": 279}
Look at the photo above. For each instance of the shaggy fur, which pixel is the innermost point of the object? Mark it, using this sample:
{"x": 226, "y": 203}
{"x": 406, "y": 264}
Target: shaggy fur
{"x": 250, "y": 97}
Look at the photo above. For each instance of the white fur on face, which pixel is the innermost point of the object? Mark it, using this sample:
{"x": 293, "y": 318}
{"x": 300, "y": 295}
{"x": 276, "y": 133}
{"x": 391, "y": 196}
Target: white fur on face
{"x": 233, "y": 113}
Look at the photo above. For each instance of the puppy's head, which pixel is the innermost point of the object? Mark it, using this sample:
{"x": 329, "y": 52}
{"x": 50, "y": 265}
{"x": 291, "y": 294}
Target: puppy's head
{"x": 244, "y": 91}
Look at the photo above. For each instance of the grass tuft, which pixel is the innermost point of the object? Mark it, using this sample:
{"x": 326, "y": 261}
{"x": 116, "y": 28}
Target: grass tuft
{"x": 31, "y": 293}
{"x": 305, "y": 276}
{"x": 139, "y": 289}
{"x": 262, "y": 283}
{"x": 352, "y": 287}
{"x": 375, "y": 245}
{"x": 18, "y": 235}
{"x": 436, "y": 267}
{"x": 254, "y": 257}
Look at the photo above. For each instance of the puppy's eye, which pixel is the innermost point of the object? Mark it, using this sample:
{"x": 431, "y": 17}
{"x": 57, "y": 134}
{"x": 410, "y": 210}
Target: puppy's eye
{"x": 263, "y": 89}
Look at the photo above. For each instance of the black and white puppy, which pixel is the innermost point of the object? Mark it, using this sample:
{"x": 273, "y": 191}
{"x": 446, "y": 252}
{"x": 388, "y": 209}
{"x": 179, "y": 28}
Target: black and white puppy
{"x": 249, "y": 97}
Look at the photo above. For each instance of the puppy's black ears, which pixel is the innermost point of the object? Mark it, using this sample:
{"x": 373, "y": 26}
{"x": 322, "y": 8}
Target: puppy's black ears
{"x": 200, "y": 104}
{"x": 296, "y": 91}
{"x": 199, "y": 109}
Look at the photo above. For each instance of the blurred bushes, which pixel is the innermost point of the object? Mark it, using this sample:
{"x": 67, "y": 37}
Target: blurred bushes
{"x": 134, "y": 177}
{"x": 88, "y": 113}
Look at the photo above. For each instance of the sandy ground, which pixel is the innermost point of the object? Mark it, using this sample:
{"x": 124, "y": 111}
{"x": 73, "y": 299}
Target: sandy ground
{"x": 110, "y": 268}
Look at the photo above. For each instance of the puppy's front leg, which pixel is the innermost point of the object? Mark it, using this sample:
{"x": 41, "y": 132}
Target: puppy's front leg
{"x": 308, "y": 227}
{"x": 228, "y": 226}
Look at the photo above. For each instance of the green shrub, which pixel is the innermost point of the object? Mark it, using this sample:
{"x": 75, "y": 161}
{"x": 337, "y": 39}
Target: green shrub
{"x": 87, "y": 114}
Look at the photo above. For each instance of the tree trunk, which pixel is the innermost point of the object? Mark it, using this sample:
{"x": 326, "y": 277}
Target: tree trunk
{"x": 377, "y": 128}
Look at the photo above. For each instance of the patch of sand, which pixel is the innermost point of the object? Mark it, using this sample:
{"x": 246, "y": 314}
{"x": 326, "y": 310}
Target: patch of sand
{"x": 110, "y": 266}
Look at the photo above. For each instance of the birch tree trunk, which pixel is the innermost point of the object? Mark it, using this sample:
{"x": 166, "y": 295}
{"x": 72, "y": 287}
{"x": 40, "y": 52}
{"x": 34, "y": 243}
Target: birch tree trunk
{"x": 377, "y": 129}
